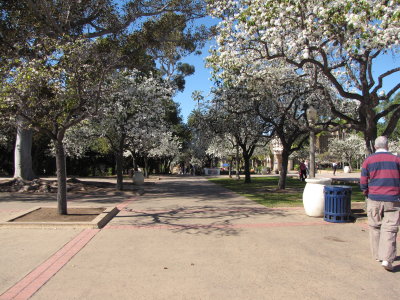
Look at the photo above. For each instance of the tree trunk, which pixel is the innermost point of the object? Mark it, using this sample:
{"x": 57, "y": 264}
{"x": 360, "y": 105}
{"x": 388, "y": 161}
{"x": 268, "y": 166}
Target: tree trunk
{"x": 134, "y": 166}
{"x": 230, "y": 168}
{"x": 61, "y": 178}
{"x": 146, "y": 167}
{"x": 237, "y": 162}
{"x": 369, "y": 144}
{"x": 159, "y": 166}
{"x": 167, "y": 167}
{"x": 119, "y": 163}
{"x": 283, "y": 175}
{"x": 119, "y": 158}
{"x": 246, "y": 158}
{"x": 370, "y": 131}
{"x": 350, "y": 161}
{"x": 22, "y": 153}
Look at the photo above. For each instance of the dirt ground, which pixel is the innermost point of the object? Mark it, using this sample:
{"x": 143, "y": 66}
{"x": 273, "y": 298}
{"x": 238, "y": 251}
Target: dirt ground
{"x": 45, "y": 186}
{"x": 76, "y": 188}
{"x": 50, "y": 214}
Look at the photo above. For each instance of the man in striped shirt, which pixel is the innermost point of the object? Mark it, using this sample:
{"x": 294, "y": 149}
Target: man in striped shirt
{"x": 380, "y": 182}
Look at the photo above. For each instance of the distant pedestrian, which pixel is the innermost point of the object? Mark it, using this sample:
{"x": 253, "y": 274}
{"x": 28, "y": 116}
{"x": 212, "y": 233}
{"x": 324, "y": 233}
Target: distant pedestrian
{"x": 303, "y": 171}
{"x": 307, "y": 163}
{"x": 380, "y": 183}
{"x": 334, "y": 167}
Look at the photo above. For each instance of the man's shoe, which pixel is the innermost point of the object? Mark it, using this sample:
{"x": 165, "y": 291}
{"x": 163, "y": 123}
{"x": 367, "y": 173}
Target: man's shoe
{"x": 387, "y": 265}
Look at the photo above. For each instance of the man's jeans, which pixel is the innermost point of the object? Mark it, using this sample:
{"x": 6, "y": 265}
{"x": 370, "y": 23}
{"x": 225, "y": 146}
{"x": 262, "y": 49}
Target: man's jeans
{"x": 383, "y": 221}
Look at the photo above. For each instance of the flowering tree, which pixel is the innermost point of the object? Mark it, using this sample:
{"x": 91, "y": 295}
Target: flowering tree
{"x": 132, "y": 129}
{"x": 55, "y": 92}
{"x": 347, "y": 149}
{"x": 224, "y": 147}
{"x": 200, "y": 138}
{"x": 146, "y": 139}
{"x": 135, "y": 104}
{"x": 168, "y": 148}
{"x": 221, "y": 146}
{"x": 232, "y": 114}
{"x": 283, "y": 108}
{"x": 335, "y": 43}
{"x": 279, "y": 100}
{"x": 26, "y": 26}
{"x": 137, "y": 107}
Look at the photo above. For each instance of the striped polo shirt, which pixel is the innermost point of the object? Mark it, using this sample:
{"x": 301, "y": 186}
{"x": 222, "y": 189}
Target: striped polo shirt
{"x": 380, "y": 176}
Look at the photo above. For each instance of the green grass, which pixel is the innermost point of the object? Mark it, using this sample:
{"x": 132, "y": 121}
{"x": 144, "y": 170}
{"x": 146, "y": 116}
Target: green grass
{"x": 264, "y": 190}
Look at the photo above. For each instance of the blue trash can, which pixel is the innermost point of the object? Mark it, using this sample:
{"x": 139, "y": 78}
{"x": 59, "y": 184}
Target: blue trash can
{"x": 337, "y": 203}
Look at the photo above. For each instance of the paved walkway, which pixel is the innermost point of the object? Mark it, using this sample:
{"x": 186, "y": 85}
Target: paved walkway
{"x": 187, "y": 238}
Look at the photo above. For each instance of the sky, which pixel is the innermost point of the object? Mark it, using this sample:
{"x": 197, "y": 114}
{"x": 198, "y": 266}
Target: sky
{"x": 200, "y": 80}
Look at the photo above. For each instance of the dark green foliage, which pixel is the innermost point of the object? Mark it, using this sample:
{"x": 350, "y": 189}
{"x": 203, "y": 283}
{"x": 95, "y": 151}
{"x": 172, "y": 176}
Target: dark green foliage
{"x": 383, "y": 125}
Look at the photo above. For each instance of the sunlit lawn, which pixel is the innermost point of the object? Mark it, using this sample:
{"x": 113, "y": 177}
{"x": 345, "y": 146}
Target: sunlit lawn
{"x": 264, "y": 190}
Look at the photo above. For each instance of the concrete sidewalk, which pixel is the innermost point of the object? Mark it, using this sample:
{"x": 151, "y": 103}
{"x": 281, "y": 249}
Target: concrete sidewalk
{"x": 187, "y": 238}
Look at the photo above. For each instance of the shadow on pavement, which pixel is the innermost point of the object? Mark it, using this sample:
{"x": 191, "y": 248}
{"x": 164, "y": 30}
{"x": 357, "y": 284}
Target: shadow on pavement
{"x": 202, "y": 220}
{"x": 194, "y": 206}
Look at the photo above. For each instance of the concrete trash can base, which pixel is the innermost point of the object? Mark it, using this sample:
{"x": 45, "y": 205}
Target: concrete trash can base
{"x": 313, "y": 196}
{"x": 138, "y": 178}
{"x": 337, "y": 204}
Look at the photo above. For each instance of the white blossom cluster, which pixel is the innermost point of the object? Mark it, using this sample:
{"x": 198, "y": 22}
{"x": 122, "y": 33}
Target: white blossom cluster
{"x": 168, "y": 146}
{"x": 56, "y": 90}
{"x": 78, "y": 139}
{"x": 348, "y": 149}
{"x": 199, "y": 144}
{"x": 133, "y": 114}
{"x": 222, "y": 146}
{"x": 394, "y": 146}
{"x": 333, "y": 33}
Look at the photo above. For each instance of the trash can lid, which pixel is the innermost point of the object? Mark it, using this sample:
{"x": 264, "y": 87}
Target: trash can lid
{"x": 323, "y": 181}
{"x": 337, "y": 187}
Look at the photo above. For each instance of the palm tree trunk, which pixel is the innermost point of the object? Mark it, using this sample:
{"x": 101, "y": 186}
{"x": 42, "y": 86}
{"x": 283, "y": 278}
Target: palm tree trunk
{"x": 22, "y": 153}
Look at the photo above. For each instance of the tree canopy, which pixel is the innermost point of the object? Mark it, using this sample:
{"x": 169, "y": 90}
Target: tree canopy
{"x": 334, "y": 43}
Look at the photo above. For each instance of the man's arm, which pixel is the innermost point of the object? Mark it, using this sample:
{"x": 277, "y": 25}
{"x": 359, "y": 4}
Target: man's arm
{"x": 364, "y": 178}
